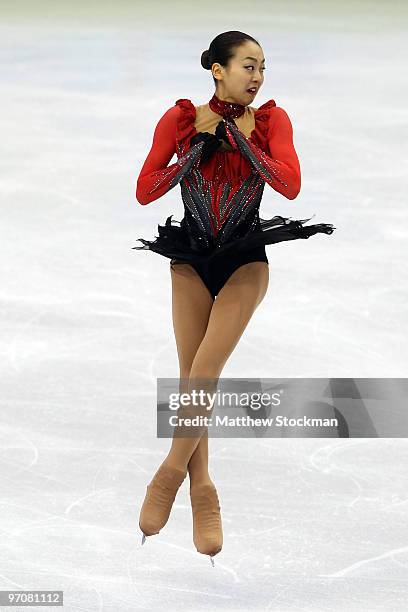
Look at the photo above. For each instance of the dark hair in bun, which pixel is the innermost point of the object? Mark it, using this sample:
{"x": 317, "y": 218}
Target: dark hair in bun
{"x": 205, "y": 60}
{"x": 222, "y": 49}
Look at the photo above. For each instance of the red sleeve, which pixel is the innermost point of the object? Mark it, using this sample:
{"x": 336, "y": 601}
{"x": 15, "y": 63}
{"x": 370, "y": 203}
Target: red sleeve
{"x": 156, "y": 178}
{"x": 282, "y": 170}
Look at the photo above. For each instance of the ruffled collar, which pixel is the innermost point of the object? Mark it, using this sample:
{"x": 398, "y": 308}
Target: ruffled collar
{"x": 226, "y": 109}
{"x": 185, "y": 129}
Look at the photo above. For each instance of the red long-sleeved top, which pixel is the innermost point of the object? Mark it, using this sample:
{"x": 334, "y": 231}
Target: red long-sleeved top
{"x": 278, "y": 164}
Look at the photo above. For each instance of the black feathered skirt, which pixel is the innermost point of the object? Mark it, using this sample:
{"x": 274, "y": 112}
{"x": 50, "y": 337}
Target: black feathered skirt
{"x": 177, "y": 241}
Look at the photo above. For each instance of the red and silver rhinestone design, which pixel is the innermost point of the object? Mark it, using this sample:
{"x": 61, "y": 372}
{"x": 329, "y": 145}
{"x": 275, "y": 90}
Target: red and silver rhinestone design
{"x": 226, "y": 109}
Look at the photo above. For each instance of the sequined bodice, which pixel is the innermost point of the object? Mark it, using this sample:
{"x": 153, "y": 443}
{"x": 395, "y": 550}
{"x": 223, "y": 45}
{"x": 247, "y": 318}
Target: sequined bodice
{"x": 222, "y": 197}
{"x": 216, "y": 212}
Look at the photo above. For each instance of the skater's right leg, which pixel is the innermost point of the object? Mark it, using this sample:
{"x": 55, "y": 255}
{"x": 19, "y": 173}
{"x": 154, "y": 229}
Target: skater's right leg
{"x": 225, "y": 319}
{"x": 191, "y": 307}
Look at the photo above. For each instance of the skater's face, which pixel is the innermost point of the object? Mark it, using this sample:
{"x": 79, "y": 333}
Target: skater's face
{"x": 244, "y": 71}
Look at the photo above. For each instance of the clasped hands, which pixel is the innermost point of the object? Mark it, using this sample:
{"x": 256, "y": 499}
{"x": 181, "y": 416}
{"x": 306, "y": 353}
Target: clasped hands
{"x": 212, "y": 142}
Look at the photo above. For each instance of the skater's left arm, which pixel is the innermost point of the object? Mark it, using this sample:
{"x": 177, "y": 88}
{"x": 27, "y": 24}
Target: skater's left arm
{"x": 281, "y": 170}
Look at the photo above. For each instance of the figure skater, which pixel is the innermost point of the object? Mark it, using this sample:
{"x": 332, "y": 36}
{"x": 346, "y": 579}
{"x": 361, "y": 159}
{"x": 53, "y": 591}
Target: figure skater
{"x": 226, "y": 151}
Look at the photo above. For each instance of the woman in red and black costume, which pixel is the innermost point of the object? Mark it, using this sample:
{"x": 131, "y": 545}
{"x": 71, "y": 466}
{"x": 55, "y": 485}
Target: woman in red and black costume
{"x": 226, "y": 152}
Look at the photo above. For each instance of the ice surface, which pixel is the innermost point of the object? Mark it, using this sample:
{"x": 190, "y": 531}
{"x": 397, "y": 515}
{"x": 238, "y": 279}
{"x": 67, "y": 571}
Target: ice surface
{"x": 86, "y": 327}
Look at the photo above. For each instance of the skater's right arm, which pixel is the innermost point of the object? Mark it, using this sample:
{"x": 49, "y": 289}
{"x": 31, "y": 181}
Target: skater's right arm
{"x": 156, "y": 178}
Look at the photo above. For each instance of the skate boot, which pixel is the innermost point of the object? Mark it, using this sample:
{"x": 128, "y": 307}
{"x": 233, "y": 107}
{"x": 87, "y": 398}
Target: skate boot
{"x": 160, "y": 495}
{"x": 207, "y": 526}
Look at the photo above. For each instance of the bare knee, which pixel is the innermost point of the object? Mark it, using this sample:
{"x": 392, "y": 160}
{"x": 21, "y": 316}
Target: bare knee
{"x": 205, "y": 370}
{"x": 211, "y": 356}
